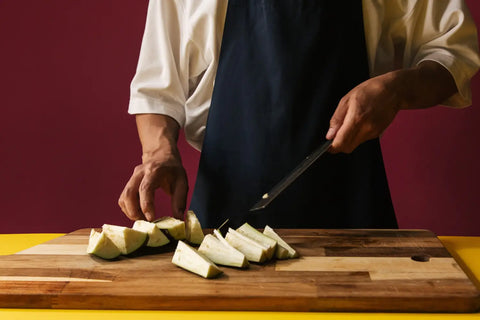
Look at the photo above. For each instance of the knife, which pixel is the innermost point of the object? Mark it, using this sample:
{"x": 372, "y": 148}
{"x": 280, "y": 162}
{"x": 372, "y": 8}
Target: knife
{"x": 292, "y": 176}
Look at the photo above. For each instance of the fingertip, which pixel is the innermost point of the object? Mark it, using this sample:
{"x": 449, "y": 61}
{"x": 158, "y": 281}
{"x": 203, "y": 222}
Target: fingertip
{"x": 134, "y": 216}
{"x": 149, "y": 216}
{"x": 179, "y": 198}
{"x": 179, "y": 213}
{"x": 133, "y": 211}
{"x": 147, "y": 202}
{"x": 330, "y": 133}
{"x": 148, "y": 209}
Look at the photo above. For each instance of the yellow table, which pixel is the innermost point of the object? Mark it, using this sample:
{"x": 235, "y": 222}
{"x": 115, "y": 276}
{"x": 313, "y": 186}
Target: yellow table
{"x": 465, "y": 249}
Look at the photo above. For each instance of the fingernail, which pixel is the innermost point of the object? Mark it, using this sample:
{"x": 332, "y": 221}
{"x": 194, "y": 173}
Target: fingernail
{"x": 149, "y": 216}
{"x": 330, "y": 133}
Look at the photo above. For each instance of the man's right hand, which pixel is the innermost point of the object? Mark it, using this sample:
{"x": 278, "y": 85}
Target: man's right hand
{"x": 161, "y": 168}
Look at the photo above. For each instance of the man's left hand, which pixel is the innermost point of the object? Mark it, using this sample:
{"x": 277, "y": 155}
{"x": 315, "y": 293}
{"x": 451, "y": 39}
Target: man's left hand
{"x": 369, "y": 108}
{"x": 363, "y": 114}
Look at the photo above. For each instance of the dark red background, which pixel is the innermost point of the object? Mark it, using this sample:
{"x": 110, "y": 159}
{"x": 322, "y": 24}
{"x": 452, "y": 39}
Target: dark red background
{"x": 67, "y": 144}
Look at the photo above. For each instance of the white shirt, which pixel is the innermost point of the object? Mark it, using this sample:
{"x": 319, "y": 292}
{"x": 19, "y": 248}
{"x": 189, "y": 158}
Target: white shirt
{"x": 180, "y": 50}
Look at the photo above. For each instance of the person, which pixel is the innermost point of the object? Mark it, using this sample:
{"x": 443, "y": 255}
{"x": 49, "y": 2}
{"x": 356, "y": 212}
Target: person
{"x": 257, "y": 85}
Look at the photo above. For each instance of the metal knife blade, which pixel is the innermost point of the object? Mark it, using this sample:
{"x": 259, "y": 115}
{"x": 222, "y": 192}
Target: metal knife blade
{"x": 292, "y": 176}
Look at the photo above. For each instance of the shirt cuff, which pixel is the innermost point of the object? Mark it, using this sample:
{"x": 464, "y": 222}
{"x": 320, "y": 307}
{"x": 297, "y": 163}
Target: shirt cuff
{"x": 143, "y": 105}
{"x": 463, "y": 98}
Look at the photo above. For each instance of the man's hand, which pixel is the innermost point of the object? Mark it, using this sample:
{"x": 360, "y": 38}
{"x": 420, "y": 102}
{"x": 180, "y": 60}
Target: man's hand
{"x": 368, "y": 109}
{"x": 165, "y": 172}
{"x": 161, "y": 168}
{"x": 363, "y": 114}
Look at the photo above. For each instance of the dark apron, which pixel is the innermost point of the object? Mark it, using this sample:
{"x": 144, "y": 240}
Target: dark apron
{"x": 284, "y": 65}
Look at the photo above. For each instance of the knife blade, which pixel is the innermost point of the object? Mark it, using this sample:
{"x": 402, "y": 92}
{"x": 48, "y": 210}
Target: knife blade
{"x": 291, "y": 177}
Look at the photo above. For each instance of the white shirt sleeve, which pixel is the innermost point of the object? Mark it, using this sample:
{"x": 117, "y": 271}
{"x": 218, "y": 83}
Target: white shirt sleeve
{"x": 178, "y": 62}
{"x": 179, "y": 55}
{"x": 160, "y": 85}
{"x": 405, "y": 33}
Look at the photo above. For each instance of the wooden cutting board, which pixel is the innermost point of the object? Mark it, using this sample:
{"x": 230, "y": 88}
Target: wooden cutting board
{"x": 339, "y": 270}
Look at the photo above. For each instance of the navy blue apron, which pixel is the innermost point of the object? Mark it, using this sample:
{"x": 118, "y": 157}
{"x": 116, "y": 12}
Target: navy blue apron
{"x": 284, "y": 65}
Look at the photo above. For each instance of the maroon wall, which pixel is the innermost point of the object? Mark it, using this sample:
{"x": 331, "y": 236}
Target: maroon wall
{"x": 67, "y": 144}
{"x": 432, "y": 158}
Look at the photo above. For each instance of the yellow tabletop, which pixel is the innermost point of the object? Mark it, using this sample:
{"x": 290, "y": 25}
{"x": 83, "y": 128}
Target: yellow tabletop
{"x": 465, "y": 249}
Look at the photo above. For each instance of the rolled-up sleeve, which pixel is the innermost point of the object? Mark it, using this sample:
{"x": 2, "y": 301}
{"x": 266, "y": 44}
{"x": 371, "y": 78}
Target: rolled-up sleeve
{"x": 443, "y": 31}
{"x": 160, "y": 85}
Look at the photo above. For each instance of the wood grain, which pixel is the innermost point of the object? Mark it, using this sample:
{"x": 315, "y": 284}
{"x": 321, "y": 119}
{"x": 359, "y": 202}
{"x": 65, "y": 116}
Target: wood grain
{"x": 339, "y": 270}
{"x": 57, "y": 249}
